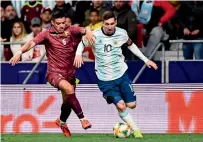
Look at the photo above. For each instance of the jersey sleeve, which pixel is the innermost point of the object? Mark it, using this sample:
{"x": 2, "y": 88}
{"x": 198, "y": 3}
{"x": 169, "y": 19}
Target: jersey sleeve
{"x": 85, "y": 42}
{"x": 133, "y": 48}
{"x": 128, "y": 41}
{"x": 40, "y": 37}
{"x": 75, "y": 30}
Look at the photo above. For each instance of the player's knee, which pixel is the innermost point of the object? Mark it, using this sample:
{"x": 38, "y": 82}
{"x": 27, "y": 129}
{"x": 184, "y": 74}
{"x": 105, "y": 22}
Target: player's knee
{"x": 121, "y": 106}
{"x": 131, "y": 105}
{"x": 69, "y": 90}
{"x": 66, "y": 87}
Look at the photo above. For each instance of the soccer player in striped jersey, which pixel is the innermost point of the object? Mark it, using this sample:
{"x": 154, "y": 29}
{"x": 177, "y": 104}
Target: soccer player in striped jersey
{"x": 111, "y": 68}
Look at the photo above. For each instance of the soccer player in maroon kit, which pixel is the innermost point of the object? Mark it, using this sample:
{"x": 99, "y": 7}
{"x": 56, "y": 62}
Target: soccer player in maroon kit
{"x": 61, "y": 43}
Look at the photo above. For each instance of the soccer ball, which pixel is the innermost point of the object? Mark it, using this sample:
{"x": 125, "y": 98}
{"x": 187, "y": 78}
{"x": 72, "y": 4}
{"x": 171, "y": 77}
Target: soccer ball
{"x": 121, "y": 130}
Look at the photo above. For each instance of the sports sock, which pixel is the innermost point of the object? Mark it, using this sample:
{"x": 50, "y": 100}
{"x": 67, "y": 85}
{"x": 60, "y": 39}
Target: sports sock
{"x": 75, "y": 105}
{"x": 126, "y": 117}
{"x": 65, "y": 112}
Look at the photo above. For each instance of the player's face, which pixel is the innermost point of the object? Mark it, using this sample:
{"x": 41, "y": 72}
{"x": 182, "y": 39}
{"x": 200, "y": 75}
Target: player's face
{"x": 59, "y": 24}
{"x": 109, "y": 25}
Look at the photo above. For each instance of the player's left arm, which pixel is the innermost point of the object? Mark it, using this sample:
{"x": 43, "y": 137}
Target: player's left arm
{"x": 135, "y": 50}
{"x": 78, "y": 61}
{"x": 86, "y": 32}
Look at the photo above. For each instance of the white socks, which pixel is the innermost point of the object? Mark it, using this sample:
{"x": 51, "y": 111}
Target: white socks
{"x": 83, "y": 119}
{"x": 126, "y": 117}
{"x": 62, "y": 123}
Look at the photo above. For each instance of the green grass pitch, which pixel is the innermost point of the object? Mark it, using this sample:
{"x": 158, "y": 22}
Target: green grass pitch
{"x": 100, "y": 138}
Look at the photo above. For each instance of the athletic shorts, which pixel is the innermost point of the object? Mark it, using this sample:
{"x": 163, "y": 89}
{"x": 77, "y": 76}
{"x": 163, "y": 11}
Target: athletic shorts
{"x": 116, "y": 90}
{"x": 54, "y": 78}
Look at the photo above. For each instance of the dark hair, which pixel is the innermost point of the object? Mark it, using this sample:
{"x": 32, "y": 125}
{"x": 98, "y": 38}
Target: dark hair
{"x": 107, "y": 15}
{"x": 58, "y": 13}
{"x": 94, "y": 10}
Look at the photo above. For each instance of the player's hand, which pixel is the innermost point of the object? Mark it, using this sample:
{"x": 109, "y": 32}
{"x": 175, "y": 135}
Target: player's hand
{"x": 151, "y": 64}
{"x": 78, "y": 61}
{"x": 15, "y": 59}
{"x": 90, "y": 36}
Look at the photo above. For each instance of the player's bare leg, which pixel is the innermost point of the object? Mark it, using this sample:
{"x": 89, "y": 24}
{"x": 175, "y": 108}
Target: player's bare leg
{"x": 72, "y": 100}
{"x": 126, "y": 117}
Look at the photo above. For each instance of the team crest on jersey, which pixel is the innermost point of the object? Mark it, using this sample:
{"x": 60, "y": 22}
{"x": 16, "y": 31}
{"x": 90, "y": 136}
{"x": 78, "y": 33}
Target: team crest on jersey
{"x": 64, "y": 42}
{"x": 66, "y": 33}
{"x": 115, "y": 42}
{"x": 27, "y": 10}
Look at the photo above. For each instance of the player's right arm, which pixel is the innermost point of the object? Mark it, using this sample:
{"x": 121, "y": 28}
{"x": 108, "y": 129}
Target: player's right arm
{"x": 16, "y": 58}
{"x": 134, "y": 49}
{"x": 27, "y": 46}
{"x": 78, "y": 61}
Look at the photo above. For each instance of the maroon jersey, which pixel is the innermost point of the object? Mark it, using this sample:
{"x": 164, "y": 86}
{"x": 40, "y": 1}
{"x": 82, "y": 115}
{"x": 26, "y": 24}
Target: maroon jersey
{"x": 31, "y": 11}
{"x": 60, "y": 48}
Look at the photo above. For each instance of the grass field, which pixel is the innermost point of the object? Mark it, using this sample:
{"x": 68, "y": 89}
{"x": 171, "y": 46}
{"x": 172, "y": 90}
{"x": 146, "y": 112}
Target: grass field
{"x": 100, "y": 138}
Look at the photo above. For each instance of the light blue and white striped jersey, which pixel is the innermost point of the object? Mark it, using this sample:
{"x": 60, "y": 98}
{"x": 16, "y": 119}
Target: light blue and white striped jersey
{"x": 109, "y": 60}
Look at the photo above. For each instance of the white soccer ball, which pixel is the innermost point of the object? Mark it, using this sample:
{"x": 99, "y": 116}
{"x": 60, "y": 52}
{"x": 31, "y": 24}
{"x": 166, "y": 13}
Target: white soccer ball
{"x": 121, "y": 130}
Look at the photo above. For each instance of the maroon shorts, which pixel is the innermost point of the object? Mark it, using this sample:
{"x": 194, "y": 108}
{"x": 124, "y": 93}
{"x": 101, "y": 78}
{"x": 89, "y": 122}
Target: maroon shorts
{"x": 54, "y": 78}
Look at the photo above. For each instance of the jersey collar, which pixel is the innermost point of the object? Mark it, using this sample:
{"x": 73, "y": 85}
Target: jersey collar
{"x": 108, "y": 34}
{"x": 54, "y": 32}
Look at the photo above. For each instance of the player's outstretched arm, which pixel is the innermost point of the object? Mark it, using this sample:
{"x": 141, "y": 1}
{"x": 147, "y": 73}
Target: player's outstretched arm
{"x": 26, "y": 47}
{"x": 134, "y": 49}
{"x": 78, "y": 56}
{"x": 78, "y": 62}
{"x": 86, "y": 32}
{"x": 89, "y": 36}
{"x": 150, "y": 64}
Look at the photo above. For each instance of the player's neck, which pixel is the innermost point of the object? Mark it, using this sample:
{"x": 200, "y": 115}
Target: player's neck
{"x": 105, "y": 33}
